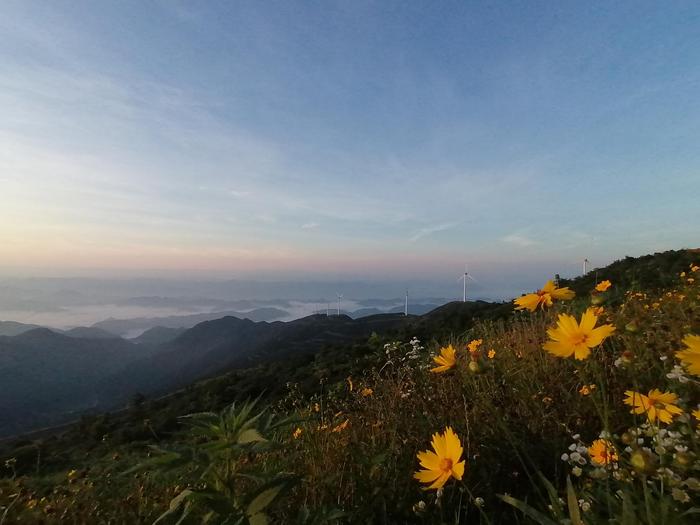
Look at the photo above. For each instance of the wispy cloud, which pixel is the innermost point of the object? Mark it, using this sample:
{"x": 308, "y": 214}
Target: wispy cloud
{"x": 518, "y": 239}
{"x": 430, "y": 230}
{"x": 310, "y": 225}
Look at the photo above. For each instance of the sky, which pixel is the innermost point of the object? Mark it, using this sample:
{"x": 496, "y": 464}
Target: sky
{"x": 345, "y": 139}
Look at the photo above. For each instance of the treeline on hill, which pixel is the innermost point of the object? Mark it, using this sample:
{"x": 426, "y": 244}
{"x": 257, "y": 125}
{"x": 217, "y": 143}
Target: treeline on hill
{"x": 339, "y": 438}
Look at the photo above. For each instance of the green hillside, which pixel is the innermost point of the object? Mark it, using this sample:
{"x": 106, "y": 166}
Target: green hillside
{"x": 344, "y": 419}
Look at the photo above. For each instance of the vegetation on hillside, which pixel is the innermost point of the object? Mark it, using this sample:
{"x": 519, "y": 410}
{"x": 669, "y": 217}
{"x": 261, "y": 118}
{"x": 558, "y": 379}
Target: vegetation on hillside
{"x": 574, "y": 410}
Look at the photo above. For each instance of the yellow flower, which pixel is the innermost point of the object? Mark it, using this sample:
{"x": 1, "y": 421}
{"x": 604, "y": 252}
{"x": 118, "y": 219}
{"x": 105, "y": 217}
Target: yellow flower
{"x": 602, "y": 286}
{"x": 657, "y": 405}
{"x": 571, "y": 338}
{"x": 586, "y": 390}
{"x": 366, "y": 392}
{"x": 602, "y": 452}
{"x": 690, "y": 357}
{"x": 543, "y": 297}
{"x": 447, "y": 359}
{"x": 694, "y": 268}
{"x": 442, "y": 464}
{"x": 297, "y": 433}
{"x": 492, "y": 353}
{"x": 474, "y": 345}
{"x": 696, "y": 415}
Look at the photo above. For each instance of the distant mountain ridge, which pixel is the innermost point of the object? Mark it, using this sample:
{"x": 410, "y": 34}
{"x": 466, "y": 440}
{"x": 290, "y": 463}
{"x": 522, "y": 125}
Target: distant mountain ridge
{"x": 123, "y": 327}
{"x": 12, "y": 328}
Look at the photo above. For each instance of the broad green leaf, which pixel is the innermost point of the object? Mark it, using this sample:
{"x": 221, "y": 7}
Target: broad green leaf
{"x": 250, "y": 436}
{"x": 262, "y": 500}
{"x": 258, "y": 519}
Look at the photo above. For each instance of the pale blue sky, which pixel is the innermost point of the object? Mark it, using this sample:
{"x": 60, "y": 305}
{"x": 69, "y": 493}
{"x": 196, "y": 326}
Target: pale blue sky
{"x": 346, "y": 138}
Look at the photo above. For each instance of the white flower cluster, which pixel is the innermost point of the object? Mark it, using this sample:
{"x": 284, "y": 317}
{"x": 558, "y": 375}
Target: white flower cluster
{"x": 404, "y": 354}
{"x": 577, "y": 456}
{"x": 678, "y": 374}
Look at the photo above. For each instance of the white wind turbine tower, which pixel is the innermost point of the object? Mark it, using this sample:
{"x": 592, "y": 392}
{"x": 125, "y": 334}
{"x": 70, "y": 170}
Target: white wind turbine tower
{"x": 464, "y": 278}
{"x": 340, "y": 296}
{"x": 585, "y": 266}
{"x": 405, "y": 308}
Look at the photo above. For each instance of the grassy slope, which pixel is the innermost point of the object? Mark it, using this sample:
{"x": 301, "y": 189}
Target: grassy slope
{"x": 370, "y": 471}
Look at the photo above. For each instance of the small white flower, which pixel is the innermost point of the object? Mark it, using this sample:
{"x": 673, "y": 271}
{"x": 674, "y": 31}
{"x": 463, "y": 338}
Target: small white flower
{"x": 575, "y": 456}
{"x": 576, "y": 471}
{"x": 565, "y": 457}
{"x": 680, "y": 495}
{"x": 479, "y": 502}
{"x": 573, "y": 447}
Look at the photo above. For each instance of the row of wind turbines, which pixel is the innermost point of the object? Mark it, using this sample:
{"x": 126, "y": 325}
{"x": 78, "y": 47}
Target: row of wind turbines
{"x": 464, "y": 277}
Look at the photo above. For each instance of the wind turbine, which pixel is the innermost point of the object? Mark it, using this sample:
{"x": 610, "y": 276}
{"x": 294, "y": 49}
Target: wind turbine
{"x": 464, "y": 278}
{"x": 340, "y": 296}
{"x": 585, "y": 266}
{"x": 405, "y": 308}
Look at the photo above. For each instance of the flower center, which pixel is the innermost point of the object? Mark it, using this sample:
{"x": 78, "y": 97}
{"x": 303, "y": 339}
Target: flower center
{"x": 579, "y": 339}
{"x": 446, "y": 465}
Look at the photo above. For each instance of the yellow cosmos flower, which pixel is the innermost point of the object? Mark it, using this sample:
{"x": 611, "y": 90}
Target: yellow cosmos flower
{"x": 694, "y": 268}
{"x": 444, "y": 463}
{"x": 492, "y": 353}
{"x": 366, "y": 392}
{"x": 577, "y": 339}
{"x": 603, "y": 285}
{"x": 657, "y": 405}
{"x": 474, "y": 345}
{"x": 446, "y": 360}
{"x": 696, "y": 415}
{"x": 297, "y": 433}
{"x": 690, "y": 356}
{"x": 602, "y": 452}
{"x": 543, "y": 297}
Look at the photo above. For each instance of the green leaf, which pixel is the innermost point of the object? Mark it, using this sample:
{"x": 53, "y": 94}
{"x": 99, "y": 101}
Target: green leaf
{"x": 527, "y": 510}
{"x": 262, "y": 500}
{"x": 628, "y": 517}
{"x": 258, "y": 519}
{"x": 175, "y": 505}
{"x": 572, "y": 501}
{"x": 250, "y": 436}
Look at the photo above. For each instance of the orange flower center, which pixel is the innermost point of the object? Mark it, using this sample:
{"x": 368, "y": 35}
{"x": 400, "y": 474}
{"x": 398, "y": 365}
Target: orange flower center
{"x": 446, "y": 465}
{"x": 579, "y": 339}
